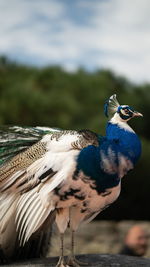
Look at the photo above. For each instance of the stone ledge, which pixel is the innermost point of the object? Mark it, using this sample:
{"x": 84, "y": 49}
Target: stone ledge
{"x": 99, "y": 260}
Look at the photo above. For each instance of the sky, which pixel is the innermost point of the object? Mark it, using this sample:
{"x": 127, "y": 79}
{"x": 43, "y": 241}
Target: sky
{"x": 93, "y": 34}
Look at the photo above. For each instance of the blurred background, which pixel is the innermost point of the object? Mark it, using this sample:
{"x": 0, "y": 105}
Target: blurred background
{"x": 60, "y": 60}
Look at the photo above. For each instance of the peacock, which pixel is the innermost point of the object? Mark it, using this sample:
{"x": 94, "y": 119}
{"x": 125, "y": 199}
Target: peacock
{"x": 64, "y": 176}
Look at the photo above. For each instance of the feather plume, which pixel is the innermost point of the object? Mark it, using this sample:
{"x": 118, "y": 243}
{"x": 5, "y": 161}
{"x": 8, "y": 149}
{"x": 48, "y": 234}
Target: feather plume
{"x": 111, "y": 106}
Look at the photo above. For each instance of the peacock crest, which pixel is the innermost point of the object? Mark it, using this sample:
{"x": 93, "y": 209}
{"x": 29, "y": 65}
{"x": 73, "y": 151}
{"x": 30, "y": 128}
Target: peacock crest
{"x": 111, "y": 106}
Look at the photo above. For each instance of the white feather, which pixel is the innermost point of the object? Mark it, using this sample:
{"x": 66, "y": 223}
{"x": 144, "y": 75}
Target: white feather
{"x": 61, "y": 145}
{"x": 33, "y": 207}
{"x": 116, "y": 119}
{"x": 8, "y": 232}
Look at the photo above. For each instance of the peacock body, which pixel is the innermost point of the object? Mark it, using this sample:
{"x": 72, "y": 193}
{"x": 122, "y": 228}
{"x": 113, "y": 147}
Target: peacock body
{"x": 68, "y": 176}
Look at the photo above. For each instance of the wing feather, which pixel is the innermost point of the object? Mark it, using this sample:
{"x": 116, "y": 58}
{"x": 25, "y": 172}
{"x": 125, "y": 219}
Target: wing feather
{"x": 25, "y": 171}
{"x": 16, "y": 139}
{"x": 33, "y": 174}
{"x": 24, "y": 213}
{"x": 28, "y": 223}
{"x": 31, "y": 214}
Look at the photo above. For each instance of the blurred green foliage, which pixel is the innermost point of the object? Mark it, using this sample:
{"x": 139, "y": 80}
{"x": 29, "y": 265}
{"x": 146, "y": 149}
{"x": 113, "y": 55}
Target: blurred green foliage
{"x": 51, "y": 96}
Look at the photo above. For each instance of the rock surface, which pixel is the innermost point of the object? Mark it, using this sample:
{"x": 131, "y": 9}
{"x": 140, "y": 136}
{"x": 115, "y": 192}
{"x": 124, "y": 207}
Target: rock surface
{"x": 104, "y": 260}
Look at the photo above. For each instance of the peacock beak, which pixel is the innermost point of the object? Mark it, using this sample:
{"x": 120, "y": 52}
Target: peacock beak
{"x": 137, "y": 114}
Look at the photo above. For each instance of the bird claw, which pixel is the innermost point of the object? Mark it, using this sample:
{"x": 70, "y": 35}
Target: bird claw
{"x": 61, "y": 263}
{"x": 72, "y": 262}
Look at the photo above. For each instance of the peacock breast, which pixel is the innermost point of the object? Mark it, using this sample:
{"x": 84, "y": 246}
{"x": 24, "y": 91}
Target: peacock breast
{"x": 129, "y": 143}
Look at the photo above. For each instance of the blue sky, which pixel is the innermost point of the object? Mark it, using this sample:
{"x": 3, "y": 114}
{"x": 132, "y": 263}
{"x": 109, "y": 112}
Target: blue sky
{"x": 112, "y": 34}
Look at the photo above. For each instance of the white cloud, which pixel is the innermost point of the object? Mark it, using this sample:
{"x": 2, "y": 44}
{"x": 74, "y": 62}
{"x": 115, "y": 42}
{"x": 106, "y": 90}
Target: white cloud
{"x": 125, "y": 37}
{"x": 115, "y": 35}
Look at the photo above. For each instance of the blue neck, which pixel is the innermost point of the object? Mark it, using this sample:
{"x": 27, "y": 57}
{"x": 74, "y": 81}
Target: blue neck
{"x": 128, "y": 140}
{"x": 102, "y": 164}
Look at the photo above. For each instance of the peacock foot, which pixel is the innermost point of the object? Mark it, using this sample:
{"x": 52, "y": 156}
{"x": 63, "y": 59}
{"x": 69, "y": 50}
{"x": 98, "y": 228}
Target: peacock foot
{"x": 72, "y": 261}
{"x": 62, "y": 263}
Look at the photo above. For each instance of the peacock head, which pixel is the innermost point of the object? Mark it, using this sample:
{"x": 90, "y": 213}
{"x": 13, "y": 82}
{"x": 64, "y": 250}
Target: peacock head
{"x": 120, "y": 112}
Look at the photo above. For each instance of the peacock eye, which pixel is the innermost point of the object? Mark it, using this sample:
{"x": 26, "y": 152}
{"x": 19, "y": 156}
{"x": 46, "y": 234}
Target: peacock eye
{"x": 126, "y": 111}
